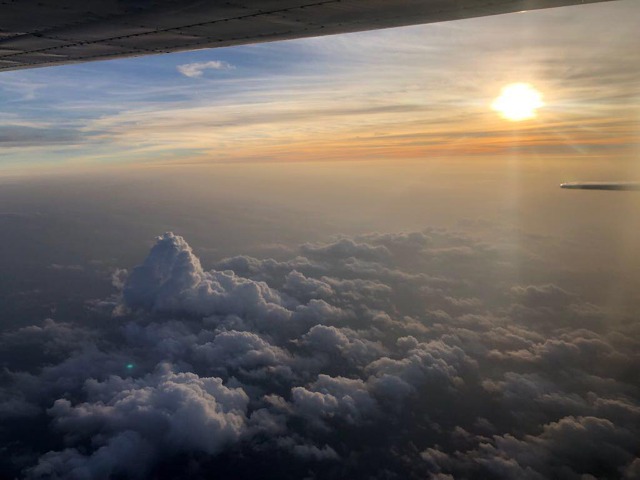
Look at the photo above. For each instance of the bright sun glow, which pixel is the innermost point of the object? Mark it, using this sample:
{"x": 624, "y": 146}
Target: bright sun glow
{"x": 517, "y": 102}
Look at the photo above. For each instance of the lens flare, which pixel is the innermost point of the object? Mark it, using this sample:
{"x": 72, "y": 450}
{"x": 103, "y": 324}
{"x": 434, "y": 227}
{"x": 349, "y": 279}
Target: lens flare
{"x": 517, "y": 102}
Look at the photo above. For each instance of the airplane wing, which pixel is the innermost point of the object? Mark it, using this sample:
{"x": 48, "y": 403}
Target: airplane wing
{"x": 37, "y": 33}
{"x": 601, "y": 185}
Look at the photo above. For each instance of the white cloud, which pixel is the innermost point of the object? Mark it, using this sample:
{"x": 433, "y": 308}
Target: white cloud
{"x": 164, "y": 410}
{"x": 234, "y": 349}
{"x": 330, "y": 397}
{"x": 171, "y": 279}
{"x": 196, "y": 70}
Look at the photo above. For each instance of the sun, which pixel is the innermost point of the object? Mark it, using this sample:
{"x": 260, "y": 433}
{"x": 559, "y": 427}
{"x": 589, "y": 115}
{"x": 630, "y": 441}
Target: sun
{"x": 517, "y": 102}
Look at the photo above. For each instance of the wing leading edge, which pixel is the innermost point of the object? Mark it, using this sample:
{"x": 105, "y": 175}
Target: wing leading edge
{"x": 37, "y": 33}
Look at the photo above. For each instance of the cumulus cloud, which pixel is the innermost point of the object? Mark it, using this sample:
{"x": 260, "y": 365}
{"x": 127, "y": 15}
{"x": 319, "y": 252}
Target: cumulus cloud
{"x": 197, "y": 69}
{"x": 172, "y": 280}
{"x": 129, "y": 421}
{"x": 367, "y": 357}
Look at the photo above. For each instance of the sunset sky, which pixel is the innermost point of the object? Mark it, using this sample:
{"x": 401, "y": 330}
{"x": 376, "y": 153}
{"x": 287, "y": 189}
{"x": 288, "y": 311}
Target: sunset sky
{"x": 421, "y": 92}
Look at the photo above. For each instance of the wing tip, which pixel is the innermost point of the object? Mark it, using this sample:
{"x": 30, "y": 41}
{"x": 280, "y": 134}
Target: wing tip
{"x": 601, "y": 185}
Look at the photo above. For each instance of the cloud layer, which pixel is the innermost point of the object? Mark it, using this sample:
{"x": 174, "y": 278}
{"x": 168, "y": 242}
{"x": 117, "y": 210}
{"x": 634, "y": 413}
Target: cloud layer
{"x": 381, "y": 356}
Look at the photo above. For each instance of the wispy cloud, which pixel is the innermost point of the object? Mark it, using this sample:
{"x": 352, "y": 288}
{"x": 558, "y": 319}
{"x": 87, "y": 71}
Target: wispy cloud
{"x": 195, "y": 70}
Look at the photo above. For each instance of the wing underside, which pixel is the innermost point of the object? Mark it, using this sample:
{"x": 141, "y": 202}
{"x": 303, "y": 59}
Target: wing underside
{"x": 36, "y": 33}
